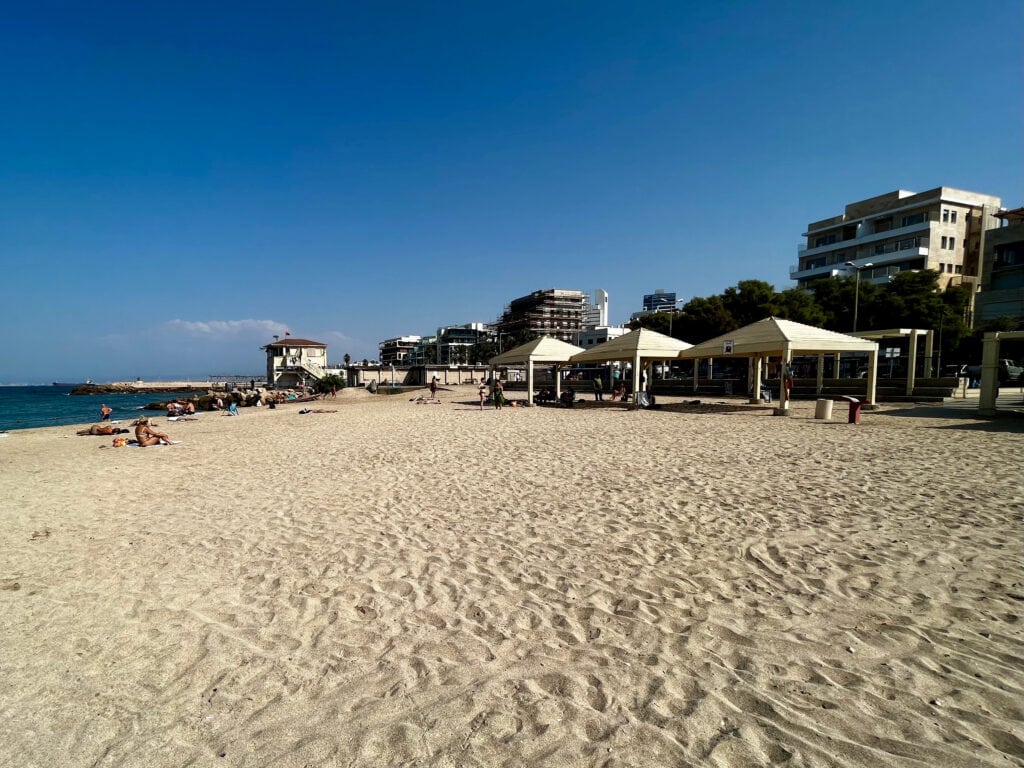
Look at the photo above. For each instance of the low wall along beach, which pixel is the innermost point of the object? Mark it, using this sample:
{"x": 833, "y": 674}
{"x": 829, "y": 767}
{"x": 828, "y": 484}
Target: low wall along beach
{"x": 394, "y": 583}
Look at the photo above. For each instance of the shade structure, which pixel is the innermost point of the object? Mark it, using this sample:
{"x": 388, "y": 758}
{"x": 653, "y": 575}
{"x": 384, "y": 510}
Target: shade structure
{"x": 545, "y": 350}
{"x": 784, "y": 338}
{"x": 637, "y": 346}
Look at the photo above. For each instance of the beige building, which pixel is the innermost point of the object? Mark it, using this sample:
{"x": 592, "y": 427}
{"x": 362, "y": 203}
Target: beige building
{"x": 295, "y": 362}
{"x": 1002, "y": 283}
{"x": 942, "y": 229}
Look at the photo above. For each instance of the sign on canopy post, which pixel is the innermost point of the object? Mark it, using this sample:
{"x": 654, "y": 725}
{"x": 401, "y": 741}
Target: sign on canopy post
{"x": 727, "y": 347}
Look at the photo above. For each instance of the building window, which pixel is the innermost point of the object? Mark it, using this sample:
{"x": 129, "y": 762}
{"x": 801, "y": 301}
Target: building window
{"x": 912, "y": 219}
{"x": 952, "y": 217}
{"x": 942, "y": 267}
{"x": 959, "y": 269}
{"x": 944, "y": 241}
{"x": 825, "y": 240}
{"x": 952, "y": 243}
{"x": 945, "y": 215}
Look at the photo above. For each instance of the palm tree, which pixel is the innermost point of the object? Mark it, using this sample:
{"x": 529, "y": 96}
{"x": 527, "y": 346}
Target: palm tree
{"x": 348, "y": 359}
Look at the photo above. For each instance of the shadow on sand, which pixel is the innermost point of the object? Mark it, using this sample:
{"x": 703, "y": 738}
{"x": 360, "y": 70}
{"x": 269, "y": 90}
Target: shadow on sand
{"x": 1004, "y": 421}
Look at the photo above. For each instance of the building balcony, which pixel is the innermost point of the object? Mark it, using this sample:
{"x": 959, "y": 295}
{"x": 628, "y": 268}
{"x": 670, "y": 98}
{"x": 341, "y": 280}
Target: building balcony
{"x": 878, "y": 260}
{"x": 856, "y": 242}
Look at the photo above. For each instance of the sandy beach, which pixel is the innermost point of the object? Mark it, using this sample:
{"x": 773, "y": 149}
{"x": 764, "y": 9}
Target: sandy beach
{"x": 398, "y": 584}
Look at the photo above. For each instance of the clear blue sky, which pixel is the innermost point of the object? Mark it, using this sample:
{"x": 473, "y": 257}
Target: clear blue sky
{"x": 178, "y": 182}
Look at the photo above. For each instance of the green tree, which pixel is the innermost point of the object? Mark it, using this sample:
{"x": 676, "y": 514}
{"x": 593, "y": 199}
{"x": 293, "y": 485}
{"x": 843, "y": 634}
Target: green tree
{"x": 655, "y": 321}
{"x": 347, "y": 359}
{"x": 799, "y": 305}
{"x": 327, "y": 382}
{"x": 834, "y": 297}
{"x": 482, "y": 351}
{"x": 702, "y": 319}
{"x": 749, "y": 301}
{"x": 910, "y": 300}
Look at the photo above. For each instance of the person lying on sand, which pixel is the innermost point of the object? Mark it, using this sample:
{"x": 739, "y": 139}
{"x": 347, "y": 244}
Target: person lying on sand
{"x": 146, "y": 435}
{"x": 421, "y": 400}
{"x": 316, "y": 410}
{"x": 101, "y": 429}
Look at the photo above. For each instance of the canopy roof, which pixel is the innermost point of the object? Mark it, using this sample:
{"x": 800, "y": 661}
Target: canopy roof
{"x": 773, "y": 336}
{"x": 543, "y": 350}
{"x": 642, "y": 343}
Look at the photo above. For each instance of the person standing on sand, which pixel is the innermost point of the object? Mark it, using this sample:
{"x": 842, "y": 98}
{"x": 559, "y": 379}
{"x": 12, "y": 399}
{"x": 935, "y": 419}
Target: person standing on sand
{"x": 598, "y": 387}
{"x": 482, "y": 391}
{"x": 105, "y": 411}
{"x": 498, "y": 392}
{"x": 433, "y": 388}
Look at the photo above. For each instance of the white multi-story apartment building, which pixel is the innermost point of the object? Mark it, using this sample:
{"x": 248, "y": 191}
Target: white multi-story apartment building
{"x": 942, "y": 229}
{"x": 397, "y": 351}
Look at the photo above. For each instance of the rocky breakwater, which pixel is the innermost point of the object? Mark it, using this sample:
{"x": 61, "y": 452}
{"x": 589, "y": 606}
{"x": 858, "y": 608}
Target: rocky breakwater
{"x": 247, "y": 398}
{"x": 132, "y": 388}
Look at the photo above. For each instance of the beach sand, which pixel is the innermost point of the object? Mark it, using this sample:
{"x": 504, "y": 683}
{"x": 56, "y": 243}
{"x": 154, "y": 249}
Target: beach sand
{"x": 402, "y": 584}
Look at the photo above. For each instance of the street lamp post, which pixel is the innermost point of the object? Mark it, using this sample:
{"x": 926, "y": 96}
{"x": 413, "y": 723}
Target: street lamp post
{"x": 672, "y": 314}
{"x": 856, "y": 290}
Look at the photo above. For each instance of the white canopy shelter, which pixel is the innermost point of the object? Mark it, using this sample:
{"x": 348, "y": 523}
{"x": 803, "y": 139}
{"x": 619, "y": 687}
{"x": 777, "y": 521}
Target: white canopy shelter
{"x": 783, "y": 338}
{"x": 545, "y": 350}
{"x": 637, "y": 346}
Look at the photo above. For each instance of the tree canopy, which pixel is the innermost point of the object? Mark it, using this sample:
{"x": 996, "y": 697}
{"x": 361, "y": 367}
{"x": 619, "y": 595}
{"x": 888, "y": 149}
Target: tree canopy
{"x": 910, "y": 299}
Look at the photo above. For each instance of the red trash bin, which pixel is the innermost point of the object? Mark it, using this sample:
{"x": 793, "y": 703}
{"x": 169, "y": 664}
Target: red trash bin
{"x": 855, "y": 406}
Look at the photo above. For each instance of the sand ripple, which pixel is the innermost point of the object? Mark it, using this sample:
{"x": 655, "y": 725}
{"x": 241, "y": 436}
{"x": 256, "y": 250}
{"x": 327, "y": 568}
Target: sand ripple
{"x": 395, "y": 584}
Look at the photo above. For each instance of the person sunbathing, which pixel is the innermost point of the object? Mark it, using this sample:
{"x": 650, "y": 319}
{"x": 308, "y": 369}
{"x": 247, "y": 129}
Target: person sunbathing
{"x": 102, "y": 429}
{"x": 146, "y": 435}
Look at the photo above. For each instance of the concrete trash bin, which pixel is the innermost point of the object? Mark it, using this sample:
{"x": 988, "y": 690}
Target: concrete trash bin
{"x": 823, "y": 409}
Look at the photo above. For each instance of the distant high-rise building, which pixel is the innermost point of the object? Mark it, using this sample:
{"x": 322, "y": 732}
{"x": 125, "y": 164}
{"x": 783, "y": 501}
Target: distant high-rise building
{"x": 553, "y": 312}
{"x": 659, "y": 301}
{"x": 941, "y": 229}
{"x": 596, "y": 312}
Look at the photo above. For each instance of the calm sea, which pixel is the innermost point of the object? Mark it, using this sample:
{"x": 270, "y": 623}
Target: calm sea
{"x": 30, "y": 407}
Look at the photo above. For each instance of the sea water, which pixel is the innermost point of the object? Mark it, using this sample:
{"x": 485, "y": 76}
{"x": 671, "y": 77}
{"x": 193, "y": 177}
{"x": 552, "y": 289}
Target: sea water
{"x": 30, "y": 407}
